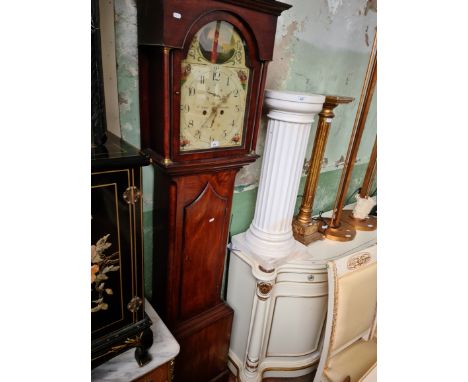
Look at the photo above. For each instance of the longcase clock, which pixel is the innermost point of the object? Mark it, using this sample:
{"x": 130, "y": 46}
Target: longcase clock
{"x": 202, "y": 68}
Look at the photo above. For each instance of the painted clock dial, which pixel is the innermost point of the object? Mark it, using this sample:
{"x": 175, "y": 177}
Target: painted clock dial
{"x": 214, "y": 86}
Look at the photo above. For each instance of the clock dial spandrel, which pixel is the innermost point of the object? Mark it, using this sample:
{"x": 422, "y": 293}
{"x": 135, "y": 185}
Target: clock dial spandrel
{"x": 214, "y": 85}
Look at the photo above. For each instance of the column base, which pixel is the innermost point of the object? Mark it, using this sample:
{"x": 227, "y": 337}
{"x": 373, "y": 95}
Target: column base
{"x": 268, "y": 255}
{"x": 367, "y": 224}
{"x": 344, "y": 232}
{"x": 307, "y": 233}
{"x": 269, "y": 250}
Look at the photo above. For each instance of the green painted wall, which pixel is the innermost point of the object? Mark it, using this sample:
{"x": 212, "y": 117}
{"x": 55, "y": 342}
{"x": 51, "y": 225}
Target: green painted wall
{"x": 321, "y": 46}
{"x": 244, "y": 202}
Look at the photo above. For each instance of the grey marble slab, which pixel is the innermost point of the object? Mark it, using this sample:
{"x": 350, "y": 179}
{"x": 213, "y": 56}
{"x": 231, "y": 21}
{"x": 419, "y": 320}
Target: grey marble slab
{"x": 124, "y": 368}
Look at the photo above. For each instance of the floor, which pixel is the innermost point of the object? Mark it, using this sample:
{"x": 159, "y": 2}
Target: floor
{"x": 305, "y": 378}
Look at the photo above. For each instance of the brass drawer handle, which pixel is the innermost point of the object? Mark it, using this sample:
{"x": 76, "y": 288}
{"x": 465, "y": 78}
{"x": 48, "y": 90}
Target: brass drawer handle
{"x": 134, "y": 304}
{"x": 131, "y": 195}
{"x": 311, "y": 277}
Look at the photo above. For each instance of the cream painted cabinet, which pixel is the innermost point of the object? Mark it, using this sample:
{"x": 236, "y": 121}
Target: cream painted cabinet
{"x": 296, "y": 317}
{"x": 280, "y": 314}
{"x": 277, "y": 286}
{"x": 279, "y": 318}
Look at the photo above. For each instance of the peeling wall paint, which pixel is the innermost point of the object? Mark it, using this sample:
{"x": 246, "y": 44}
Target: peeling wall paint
{"x": 127, "y": 73}
{"x": 333, "y": 5}
{"x": 278, "y": 70}
{"x": 127, "y": 86}
{"x": 322, "y": 47}
{"x": 127, "y": 69}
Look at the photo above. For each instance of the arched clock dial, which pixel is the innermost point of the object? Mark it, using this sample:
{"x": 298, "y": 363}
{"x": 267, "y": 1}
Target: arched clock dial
{"x": 213, "y": 90}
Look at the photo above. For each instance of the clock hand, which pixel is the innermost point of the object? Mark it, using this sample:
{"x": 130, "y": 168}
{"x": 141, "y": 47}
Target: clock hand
{"x": 212, "y": 121}
{"x": 225, "y": 98}
{"x": 214, "y": 109}
{"x": 216, "y": 95}
{"x": 213, "y": 113}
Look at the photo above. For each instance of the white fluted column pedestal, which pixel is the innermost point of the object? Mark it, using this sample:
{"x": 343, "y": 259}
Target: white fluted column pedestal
{"x": 269, "y": 238}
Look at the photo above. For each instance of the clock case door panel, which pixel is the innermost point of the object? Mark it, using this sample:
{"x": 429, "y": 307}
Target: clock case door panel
{"x": 189, "y": 258}
{"x": 203, "y": 241}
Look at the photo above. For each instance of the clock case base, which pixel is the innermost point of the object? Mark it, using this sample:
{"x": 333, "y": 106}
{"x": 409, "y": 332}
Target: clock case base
{"x": 191, "y": 219}
{"x": 204, "y": 343}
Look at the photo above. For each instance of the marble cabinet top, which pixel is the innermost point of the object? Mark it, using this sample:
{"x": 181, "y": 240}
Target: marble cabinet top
{"x": 322, "y": 251}
{"x": 124, "y": 368}
{"x": 315, "y": 255}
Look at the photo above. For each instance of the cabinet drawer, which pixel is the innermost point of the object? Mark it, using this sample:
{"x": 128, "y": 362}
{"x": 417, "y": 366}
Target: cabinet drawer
{"x": 301, "y": 277}
{"x": 161, "y": 374}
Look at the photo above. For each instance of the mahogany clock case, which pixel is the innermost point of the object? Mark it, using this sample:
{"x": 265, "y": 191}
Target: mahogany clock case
{"x": 191, "y": 227}
{"x": 164, "y": 41}
{"x": 194, "y": 189}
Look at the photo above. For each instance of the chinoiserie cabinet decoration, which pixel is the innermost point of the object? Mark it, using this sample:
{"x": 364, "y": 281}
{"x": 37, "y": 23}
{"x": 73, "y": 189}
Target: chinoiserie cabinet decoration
{"x": 202, "y": 70}
{"x": 118, "y": 319}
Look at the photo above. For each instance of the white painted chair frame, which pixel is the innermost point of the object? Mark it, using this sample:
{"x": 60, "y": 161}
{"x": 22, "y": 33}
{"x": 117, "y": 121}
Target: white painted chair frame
{"x": 336, "y": 269}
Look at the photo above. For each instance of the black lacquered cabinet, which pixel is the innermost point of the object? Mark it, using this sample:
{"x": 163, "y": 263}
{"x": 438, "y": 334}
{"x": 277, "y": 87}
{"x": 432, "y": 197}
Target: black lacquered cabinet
{"x": 118, "y": 319}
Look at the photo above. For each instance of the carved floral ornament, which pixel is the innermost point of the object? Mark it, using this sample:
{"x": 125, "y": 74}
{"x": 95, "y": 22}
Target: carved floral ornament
{"x": 264, "y": 288}
{"x": 358, "y": 261}
{"x": 101, "y": 265}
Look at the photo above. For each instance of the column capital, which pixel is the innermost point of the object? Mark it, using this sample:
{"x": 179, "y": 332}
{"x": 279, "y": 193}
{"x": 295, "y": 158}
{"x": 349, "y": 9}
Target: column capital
{"x": 293, "y": 107}
{"x": 331, "y": 102}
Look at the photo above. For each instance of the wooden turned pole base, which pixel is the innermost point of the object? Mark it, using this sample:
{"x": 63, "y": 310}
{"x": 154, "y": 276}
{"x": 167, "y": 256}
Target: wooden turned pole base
{"x": 343, "y": 232}
{"x": 367, "y": 224}
{"x": 307, "y": 233}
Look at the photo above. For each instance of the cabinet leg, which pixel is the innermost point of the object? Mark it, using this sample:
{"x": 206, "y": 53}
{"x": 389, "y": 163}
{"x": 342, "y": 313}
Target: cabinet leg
{"x": 142, "y": 355}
